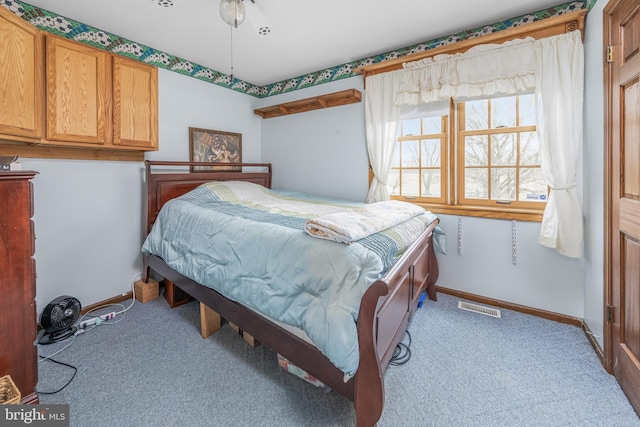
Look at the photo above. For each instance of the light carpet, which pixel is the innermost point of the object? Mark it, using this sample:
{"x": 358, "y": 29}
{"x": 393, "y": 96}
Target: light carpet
{"x": 153, "y": 369}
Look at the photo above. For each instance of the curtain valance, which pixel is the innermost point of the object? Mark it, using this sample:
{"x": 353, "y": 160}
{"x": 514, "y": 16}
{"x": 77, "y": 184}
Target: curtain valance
{"x": 484, "y": 70}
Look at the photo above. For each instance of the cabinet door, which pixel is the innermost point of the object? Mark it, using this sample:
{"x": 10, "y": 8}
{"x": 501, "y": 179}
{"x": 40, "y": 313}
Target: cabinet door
{"x": 135, "y": 104}
{"x": 21, "y": 85}
{"x": 77, "y": 87}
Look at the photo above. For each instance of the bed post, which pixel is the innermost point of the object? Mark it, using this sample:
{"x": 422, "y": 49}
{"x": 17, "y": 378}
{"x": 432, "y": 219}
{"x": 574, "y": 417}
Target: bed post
{"x": 146, "y": 270}
{"x": 433, "y": 271}
{"x": 368, "y": 398}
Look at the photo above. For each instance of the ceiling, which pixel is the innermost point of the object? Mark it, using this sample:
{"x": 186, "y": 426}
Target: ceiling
{"x": 306, "y": 35}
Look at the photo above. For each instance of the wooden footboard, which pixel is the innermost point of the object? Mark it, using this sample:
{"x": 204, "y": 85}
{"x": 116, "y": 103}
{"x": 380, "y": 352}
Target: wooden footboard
{"x": 385, "y": 311}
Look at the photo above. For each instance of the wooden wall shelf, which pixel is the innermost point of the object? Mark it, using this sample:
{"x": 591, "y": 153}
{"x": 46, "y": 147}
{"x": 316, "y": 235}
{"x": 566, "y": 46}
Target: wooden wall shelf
{"x": 349, "y": 96}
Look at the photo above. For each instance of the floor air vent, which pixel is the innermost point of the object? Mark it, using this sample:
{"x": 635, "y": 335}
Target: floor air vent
{"x": 479, "y": 309}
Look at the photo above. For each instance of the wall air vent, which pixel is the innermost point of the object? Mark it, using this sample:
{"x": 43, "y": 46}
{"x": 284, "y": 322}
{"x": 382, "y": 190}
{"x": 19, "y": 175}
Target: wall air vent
{"x": 487, "y": 311}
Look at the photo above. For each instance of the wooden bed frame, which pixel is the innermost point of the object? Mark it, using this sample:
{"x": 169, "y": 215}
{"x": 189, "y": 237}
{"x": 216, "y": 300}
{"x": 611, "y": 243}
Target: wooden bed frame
{"x": 385, "y": 311}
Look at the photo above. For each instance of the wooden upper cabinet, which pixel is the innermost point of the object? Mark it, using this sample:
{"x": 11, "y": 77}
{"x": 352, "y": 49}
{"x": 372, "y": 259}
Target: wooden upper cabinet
{"x": 77, "y": 85}
{"x": 135, "y": 104}
{"x": 96, "y": 98}
{"x": 20, "y": 78}
{"x": 64, "y": 99}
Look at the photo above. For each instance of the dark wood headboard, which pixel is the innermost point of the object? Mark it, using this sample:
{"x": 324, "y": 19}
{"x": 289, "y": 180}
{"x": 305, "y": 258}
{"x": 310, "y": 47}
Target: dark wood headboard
{"x": 178, "y": 178}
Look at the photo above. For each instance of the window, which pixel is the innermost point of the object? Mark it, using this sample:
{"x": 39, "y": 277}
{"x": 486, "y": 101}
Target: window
{"x": 418, "y": 170}
{"x": 494, "y": 165}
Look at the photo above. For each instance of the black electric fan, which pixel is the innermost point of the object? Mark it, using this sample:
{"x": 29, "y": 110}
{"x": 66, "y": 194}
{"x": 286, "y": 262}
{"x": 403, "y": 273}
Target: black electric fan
{"x": 58, "y": 319}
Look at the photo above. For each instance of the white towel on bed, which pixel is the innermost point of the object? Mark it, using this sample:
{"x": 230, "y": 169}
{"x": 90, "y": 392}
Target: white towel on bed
{"x": 349, "y": 226}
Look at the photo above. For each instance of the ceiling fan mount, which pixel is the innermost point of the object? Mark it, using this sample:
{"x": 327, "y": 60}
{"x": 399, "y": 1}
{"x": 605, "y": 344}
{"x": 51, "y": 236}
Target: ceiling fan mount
{"x": 233, "y": 12}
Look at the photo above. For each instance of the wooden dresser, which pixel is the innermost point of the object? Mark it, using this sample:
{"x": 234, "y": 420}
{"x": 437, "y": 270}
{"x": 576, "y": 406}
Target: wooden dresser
{"x": 18, "y": 353}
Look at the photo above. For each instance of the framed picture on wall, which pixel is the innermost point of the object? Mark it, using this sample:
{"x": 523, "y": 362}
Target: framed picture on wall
{"x": 207, "y": 145}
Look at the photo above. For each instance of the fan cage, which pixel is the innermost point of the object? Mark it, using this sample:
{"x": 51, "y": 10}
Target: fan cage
{"x": 65, "y": 313}
{"x": 58, "y": 319}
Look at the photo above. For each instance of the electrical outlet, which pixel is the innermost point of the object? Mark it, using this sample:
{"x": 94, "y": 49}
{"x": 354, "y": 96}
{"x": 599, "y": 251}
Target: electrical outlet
{"x": 108, "y": 316}
{"x": 86, "y": 323}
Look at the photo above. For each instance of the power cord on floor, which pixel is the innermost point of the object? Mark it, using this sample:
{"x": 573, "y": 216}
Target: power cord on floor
{"x": 123, "y": 310}
{"x": 72, "y": 338}
{"x": 41, "y": 358}
{"x": 133, "y": 297}
{"x": 402, "y": 353}
{"x": 75, "y": 371}
{"x": 81, "y": 331}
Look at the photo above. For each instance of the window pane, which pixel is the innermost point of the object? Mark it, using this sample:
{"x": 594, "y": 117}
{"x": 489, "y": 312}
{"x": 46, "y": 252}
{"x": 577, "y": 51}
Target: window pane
{"x": 503, "y": 184}
{"x": 503, "y": 112}
{"x": 476, "y": 115}
{"x": 393, "y": 182}
{"x": 410, "y": 154}
{"x": 503, "y": 149}
{"x": 476, "y": 183}
{"x": 527, "y": 110}
{"x": 430, "y": 152}
{"x": 411, "y": 127}
{"x": 410, "y": 182}
{"x": 430, "y": 183}
{"x": 395, "y": 160}
{"x": 532, "y": 186}
{"x": 529, "y": 149}
{"x": 476, "y": 150}
{"x": 431, "y": 125}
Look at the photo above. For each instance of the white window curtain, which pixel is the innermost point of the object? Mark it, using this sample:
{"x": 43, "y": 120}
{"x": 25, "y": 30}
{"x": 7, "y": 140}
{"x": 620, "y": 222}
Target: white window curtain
{"x": 553, "y": 67}
{"x": 559, "y": 94}
{"x": 382, "y": 117}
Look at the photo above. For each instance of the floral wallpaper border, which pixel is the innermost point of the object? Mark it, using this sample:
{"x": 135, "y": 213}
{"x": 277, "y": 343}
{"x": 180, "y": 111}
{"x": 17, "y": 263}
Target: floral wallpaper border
{"x": 59, "y": 25}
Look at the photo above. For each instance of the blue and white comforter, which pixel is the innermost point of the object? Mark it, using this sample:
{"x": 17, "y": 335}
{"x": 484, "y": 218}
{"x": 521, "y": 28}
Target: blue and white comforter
{"x": 248, "y": 243}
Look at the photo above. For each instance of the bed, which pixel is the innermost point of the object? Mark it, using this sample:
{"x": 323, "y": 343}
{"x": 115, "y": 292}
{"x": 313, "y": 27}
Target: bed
{"x": 384, "y": 308}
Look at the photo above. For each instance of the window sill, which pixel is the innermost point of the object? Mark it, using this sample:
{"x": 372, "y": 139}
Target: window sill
{"x": 512, "y": 214}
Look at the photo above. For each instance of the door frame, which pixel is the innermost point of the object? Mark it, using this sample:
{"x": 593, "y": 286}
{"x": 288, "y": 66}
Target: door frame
{"x": 608, "y": 180}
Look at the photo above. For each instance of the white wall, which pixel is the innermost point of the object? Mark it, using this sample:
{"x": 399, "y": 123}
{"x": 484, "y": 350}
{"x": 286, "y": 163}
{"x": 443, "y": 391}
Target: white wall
{"x": 88, "y": 227}
{"x": 88, "y": 214}
{"x": 187, "y": 102}
{"x": 594, "y": 148}
{"x": 324, "y": 152}
{"x": 321, "y": 152}
{"x": 540, "y": 278}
